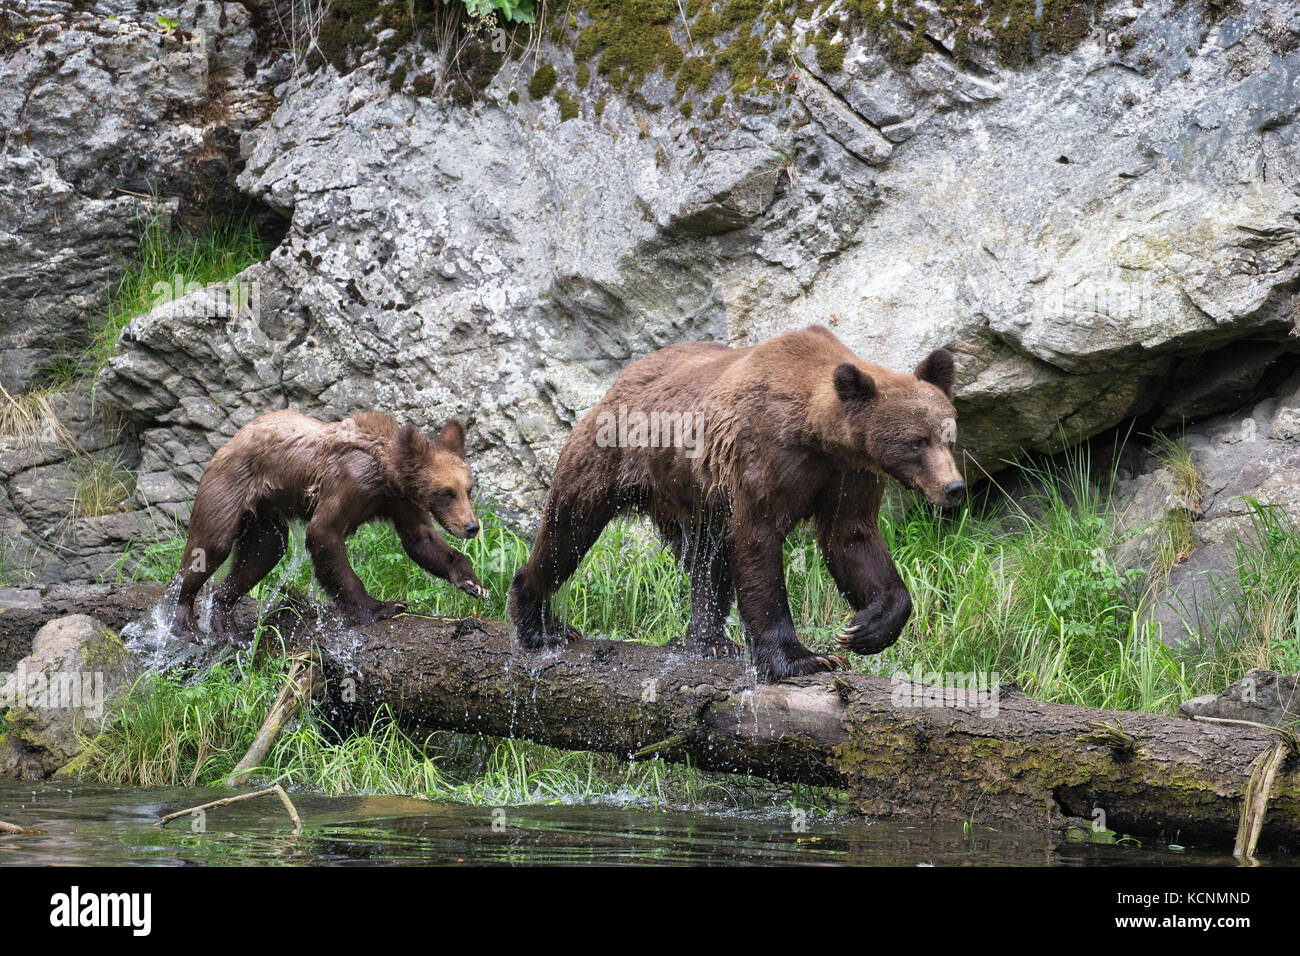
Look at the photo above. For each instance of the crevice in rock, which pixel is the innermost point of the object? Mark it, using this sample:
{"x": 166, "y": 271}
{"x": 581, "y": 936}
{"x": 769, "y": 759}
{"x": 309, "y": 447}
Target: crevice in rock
{"x": 831, "y": 92}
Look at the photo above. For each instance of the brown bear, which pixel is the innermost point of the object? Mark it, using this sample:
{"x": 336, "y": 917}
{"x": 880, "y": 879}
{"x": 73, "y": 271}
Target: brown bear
{"x": 336, "y": 477}
{"x": 727, "y": 450}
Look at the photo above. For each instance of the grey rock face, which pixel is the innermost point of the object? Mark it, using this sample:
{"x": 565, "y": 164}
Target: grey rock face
{"x": 1253, "y": 454}
{"x": 61, "y": 691}
{"x": 104, "y": 109}
{"x": 1262, "y": 697}
{"x": 1078, "y": 230}
{"x": 47, "y": 532}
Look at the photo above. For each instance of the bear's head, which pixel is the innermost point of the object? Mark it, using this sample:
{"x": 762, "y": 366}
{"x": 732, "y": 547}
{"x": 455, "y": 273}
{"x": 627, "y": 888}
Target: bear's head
{"x": 906, "y": 424}
{"x": 435, "y": 475}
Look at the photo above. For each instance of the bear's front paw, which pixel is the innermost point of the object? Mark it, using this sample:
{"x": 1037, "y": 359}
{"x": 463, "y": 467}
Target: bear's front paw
{"x": 474, "y": 589}
{"x": 812, "y": 664}
{"x": 875, "y": 628}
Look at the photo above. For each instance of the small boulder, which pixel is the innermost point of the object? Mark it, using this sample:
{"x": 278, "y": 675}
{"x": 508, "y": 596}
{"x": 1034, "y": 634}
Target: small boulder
{"x": 1262, "y": 697}
{"x": 59, "y": 694}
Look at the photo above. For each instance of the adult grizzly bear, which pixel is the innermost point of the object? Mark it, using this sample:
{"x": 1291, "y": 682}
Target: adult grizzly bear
{"x": 336, "y": 477}
{"x": 794, "y": 428}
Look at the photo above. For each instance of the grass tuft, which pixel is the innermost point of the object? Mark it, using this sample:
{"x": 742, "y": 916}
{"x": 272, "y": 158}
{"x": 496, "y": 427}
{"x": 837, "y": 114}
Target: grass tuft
{"x": 217, "y": 253}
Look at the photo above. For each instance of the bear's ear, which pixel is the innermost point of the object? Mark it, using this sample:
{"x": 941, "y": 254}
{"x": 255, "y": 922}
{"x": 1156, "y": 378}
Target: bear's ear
{"x": 411, "y": 445}
{"x": 852, "y": 384}
{"x": 936, "y": 368}
{"x": 452, "y": 437}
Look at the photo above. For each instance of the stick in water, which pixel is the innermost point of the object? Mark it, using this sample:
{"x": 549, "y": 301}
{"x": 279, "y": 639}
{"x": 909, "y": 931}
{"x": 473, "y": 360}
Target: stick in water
{"x": 226, "y": 801}
{"x": 15, "y": 828}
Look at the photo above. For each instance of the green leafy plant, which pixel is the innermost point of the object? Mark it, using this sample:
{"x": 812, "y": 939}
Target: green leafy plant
{"x": 514, "y": 11}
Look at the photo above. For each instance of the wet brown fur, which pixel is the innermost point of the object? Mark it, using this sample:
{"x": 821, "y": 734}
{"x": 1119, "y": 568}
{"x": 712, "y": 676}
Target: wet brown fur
{"x": 795, "y": 428}
{"x": 336, "y": 477}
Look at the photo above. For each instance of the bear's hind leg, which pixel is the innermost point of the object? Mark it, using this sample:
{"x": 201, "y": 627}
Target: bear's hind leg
{"x": 765, "y": 609}
{"x": 705, "y": 553}
{"x": 259, "y": 545}
{"x": 564, "y": 537}
{"x": 205, "y": 551}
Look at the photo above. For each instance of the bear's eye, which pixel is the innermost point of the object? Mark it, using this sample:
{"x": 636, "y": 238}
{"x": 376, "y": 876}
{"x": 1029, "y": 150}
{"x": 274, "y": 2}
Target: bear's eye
{"x": 916, "y": 444}
{"x": 446, "y": 494}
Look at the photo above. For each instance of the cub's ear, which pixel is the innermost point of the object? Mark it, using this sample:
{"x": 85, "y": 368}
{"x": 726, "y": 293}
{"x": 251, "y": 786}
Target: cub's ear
{"x": 936, "y": 368}
{"x": 411, "y": 444}
{"x": 452, "y": 437}
{"x": 852, "y": 384}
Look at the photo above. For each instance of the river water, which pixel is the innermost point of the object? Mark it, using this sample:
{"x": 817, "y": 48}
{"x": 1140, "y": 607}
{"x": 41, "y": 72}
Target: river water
{"x": 102, "y": 825}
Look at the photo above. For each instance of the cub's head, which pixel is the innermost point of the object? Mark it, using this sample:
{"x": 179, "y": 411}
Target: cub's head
{"x": 434, "y": 474}
{"x": 906, "y": 425}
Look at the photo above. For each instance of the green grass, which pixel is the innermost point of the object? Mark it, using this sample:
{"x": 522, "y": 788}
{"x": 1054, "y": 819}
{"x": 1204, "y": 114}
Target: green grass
{"x": 215, "y": 254}
{"x": 103, "y": 485}
{"x": 1027, "y": 591}
{"x": 1255, "y": 621}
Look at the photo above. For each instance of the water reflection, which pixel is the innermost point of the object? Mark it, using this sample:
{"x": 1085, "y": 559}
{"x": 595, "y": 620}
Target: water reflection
{"x": 114, "y": 826}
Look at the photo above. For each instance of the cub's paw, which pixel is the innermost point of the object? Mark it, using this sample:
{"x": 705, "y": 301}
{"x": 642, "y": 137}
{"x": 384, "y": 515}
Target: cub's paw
{"x": 223, "y": 628}
{"x": 379, "y": 611}
{"x": 555, "y": 633}
{"x": 185, "y": 627}
{"x": 474, "y": 589}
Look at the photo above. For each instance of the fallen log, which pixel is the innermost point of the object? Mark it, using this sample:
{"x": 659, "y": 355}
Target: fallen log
{"x": 898, "y": 750}
{"x": 896, "y": 753}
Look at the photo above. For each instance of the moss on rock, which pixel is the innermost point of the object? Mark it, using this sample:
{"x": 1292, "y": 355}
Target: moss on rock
{"x": 543, "y": 81}
{"x": 625, "y": 42}
{"x": 568, "y": 105}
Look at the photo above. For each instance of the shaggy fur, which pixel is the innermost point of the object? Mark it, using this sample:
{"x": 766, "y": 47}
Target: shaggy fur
{"x": 794, "y": 428}
{"x": 336, "y": 477}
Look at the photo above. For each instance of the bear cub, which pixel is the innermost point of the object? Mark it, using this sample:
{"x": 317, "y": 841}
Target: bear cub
{"x": 336, "y": 477}
{"x": 795, "y": 428}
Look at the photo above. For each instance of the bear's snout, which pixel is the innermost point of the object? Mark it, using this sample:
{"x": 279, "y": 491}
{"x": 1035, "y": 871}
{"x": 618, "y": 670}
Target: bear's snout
{"x": 471, "y": 529}
{"x": 954, "y": 492}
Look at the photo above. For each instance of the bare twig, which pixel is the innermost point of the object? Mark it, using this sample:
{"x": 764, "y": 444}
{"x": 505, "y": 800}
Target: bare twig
{"x": 681, "y": 6}
{"x": 1241, "y": 723}
{"x": 226, "y": 801}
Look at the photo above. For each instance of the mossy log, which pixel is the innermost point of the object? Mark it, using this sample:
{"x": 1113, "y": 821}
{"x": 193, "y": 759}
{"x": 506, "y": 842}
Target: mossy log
{"x": 904, "y": 755}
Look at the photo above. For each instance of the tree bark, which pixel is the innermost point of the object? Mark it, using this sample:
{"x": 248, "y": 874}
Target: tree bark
{"x": 919, "y": 755}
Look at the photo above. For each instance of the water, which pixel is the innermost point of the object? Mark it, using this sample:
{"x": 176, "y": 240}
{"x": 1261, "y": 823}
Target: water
{"x": 100, "y": 825}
